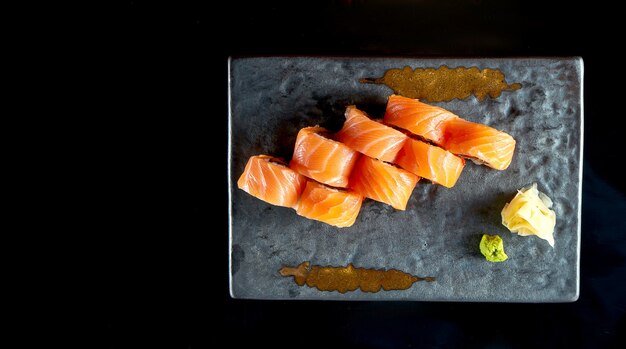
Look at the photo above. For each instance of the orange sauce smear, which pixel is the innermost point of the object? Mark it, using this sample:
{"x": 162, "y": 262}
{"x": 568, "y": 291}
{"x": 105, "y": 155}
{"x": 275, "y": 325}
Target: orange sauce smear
{"x": 349, "y": 278}
{"x": 445, "y": 84}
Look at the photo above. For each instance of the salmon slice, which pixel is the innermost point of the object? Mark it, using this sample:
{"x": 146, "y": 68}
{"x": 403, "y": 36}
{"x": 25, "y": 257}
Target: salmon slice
{"x": 419, "y": 118}
{"x": 431, "y": 162}
{"x": 338, "y": 207}
{"x": 370, "y": 137}
{"x": 481, "y": 143}
{"x": 270, "y": 180}
{"x": 317, "y": 156}
{"x": 383, "y": 182}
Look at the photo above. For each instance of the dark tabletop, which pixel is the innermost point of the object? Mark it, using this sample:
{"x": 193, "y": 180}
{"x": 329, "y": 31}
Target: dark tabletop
{"x": 162, "y": 252}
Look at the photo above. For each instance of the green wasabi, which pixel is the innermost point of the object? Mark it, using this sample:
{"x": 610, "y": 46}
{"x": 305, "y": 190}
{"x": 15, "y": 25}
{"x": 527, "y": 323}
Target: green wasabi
{"x": 492, "y": 248}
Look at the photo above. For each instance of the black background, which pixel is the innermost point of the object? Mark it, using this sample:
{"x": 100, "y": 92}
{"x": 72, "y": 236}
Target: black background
{"x": 162, "y": 251}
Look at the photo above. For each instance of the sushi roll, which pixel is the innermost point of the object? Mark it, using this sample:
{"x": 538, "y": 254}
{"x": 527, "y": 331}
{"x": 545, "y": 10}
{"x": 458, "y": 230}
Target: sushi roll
{"x": 334, "y": 206}
{"x": 316, "y": 155}
{"x": 271, "y": 180}
{"x": 427, "y": 121}
{"x": 480, "y": 143}
{"x": 370, "y": 137}
{"x": 383, "y": 182}
{"x": 430, "y": 162}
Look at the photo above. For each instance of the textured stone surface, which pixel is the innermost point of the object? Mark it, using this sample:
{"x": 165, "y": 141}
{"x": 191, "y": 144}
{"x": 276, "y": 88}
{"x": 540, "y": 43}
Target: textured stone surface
{"x": 439, "y": 233}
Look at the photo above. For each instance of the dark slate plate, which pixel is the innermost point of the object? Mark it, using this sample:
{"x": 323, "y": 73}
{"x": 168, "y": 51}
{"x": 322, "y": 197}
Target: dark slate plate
{"x": 438, "y": 234}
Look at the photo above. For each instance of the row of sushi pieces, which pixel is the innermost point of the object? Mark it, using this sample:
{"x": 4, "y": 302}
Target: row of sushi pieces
{"x": 329, "y": 174}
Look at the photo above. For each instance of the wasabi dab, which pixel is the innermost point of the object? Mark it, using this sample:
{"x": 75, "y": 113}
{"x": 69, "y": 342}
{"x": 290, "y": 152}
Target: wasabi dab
{"x": 492, "y": 248}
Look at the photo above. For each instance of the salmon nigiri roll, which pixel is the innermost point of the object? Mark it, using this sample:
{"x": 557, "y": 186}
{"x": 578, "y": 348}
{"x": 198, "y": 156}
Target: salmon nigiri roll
{"x": 370, "y": 137}
{"x": 424, "y": 120}
{"x": 338, "y": 207}
{"x": 430, "y": 162}
{"x": 269, "y": 179}
{"x": 479, "y": 142}
{"x": 318, "y": 156}
{"x": 383, "y": 182}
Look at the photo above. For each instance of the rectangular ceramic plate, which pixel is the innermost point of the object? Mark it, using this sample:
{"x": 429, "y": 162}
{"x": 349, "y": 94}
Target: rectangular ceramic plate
{"x": 438, "y": 235}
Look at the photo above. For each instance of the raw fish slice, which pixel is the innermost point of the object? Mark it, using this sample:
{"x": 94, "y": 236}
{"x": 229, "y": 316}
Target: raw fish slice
{"x": 270, "y": 180}
{"x": 430, "y": 162}
{"x": 382, "y": 182}
{"x": 338, "y": 207}
{"x": 370, "y": 137}
{"x": 317, "y": 156}
{"x": 479, "y": 142}
{"x": 419, "y": 118}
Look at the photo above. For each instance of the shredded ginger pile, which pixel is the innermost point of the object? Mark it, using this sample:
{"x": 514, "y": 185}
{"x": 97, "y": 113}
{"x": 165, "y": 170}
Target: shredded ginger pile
{"x": 529, "y": 213}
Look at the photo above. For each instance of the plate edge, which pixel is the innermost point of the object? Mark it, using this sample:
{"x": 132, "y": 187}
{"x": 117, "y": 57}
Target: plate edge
{"x": 580, "y": 176}
{"x": 231, "y": 291}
